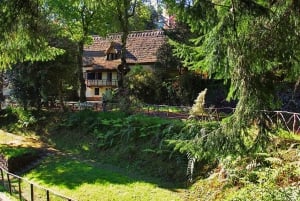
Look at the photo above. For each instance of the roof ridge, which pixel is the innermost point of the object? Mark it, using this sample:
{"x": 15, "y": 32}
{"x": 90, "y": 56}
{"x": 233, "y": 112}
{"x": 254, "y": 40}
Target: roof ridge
{"x": 132, "y": 34}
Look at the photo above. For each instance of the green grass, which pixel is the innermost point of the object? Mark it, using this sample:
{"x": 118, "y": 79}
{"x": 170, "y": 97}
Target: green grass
{"x": 135, "y": 142}
{"x": 84, "y": 181}
{"x": 89, "y": 179}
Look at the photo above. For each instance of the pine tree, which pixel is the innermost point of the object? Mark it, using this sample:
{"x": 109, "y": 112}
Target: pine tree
{"x": 253, "y": 45}
{"x": 23, "y": 33}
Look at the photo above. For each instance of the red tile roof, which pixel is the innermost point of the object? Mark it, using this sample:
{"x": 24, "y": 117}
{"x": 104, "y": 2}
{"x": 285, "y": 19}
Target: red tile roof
{"x": 142, "y": 47}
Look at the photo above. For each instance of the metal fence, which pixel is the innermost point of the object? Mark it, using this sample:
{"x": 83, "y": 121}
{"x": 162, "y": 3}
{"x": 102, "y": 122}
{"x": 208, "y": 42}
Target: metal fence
{"x": 26, "y": 190}
{"x": 287, "y": 120}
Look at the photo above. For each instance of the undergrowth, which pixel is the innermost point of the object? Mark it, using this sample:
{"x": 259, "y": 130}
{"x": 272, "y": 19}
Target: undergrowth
{"x": 159, "y": 147}
{"x": 134, "y": 142}
{"x": 167, "y": 148}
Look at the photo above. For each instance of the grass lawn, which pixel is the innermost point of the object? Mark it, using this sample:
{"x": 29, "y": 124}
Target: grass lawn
{"x": 84, "y": 181}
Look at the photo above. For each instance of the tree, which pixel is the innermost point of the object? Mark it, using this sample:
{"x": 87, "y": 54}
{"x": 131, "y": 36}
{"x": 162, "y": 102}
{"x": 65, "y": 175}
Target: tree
{"x": 142, "y": 85}
{"x": 23, "y": 33}
{"x": 1, "y": 87}
{"x": 78, "y": 19}
{"x": 35, "y": 83}
{"x": 125, "y": 9}
{"x": 251, "y": 43}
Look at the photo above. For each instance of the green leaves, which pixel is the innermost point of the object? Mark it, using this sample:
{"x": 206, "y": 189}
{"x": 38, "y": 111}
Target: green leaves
{"x": 77, "y": 19}
{"x": 250, "y": 43}
{"x": 24, "y": 36}
{"x": 20, "y": 49}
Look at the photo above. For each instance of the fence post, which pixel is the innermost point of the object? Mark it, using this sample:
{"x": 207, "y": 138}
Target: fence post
{"x": 20, "y": 192}
{"x": 294, "y": 123}
{"x": 31, "y": 192}
{"x": 168, "y": 110}
{"x": 47, "y": 194}
{"x": 9, "y": 184}
{"x": 2, "y": 177}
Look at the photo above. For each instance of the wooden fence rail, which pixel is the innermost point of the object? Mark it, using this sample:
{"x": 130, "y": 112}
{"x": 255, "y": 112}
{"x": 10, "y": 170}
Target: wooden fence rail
{"x": 26, "y": 190}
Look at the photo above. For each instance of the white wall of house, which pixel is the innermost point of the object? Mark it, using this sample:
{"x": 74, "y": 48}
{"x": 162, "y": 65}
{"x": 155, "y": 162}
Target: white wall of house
{"x": 98, "y": 91}
{"x": 92, "y": 91}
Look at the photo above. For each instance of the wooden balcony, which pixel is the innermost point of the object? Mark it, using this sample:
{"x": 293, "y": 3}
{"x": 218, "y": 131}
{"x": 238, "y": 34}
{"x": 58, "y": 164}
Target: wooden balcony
{"x": 101, "y": 83}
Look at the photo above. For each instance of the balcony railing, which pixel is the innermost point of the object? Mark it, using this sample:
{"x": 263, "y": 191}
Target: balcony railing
{"x": 99, "y": 83}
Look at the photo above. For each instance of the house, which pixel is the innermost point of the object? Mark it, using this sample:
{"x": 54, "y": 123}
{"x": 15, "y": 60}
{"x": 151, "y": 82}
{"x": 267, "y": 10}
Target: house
{"x": 102, "y": 57}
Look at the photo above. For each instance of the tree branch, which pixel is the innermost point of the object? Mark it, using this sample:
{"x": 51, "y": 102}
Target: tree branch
{"x": 133, "y": 10}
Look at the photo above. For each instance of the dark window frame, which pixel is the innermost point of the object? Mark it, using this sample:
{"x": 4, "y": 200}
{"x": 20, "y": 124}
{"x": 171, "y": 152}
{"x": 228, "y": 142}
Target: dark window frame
{"x": 97, "y": 91}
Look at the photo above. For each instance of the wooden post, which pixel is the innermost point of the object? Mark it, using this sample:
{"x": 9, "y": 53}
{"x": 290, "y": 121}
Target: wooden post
{"x": 20, "y": 192}
{"x": 9, "y": 184}
{"x": 31, "y": 192}
{"x": 168, "y": 110}
{"x": 47, "y": 194}
{"x": 294, "y": 123}
{"x": 218, "y": 115}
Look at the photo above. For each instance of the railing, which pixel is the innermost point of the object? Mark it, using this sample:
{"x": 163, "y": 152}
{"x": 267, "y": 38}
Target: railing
{"x": 26, "y": 190}
{"x": 289, "y": 121}
{"x": 98, "y": 83}
{"x": 183, "y": 112}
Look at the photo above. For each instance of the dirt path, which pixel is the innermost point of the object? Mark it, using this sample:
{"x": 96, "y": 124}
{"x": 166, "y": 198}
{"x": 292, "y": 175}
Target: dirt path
{"x": 3, "y": 197}
{"x": 20, "y": 141}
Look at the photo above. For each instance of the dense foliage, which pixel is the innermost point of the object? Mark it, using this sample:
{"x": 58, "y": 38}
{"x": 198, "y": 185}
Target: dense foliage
{"x": 254, "y": 45}
{"x": 24, "y": 30}
{"x": 138, "y": 141}
{"x": 173, "y": 150}
{"x": 41, "y": 83}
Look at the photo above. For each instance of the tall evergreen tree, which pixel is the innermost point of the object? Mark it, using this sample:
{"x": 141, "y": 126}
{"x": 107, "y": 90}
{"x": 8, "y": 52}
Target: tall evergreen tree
{"x": 23, "y": 33}
{"x": 251, "y": 43}
{"x": 34, "y": 83}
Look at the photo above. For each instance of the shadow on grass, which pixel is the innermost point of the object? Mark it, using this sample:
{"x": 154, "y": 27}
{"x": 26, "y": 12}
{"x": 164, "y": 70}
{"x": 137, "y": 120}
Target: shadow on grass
{"x": 82, "y": 145}
{"x": 71, "y": 173}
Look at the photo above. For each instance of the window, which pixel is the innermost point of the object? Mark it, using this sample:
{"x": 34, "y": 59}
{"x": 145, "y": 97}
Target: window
{"x": 111, "y": 56}
{"x": 109, "y": 76}
{"x": 90, "y": 76}
{"x": 97, "y": 91}
{"x": 94, "y": 76}
{"x": 99, "y": 76}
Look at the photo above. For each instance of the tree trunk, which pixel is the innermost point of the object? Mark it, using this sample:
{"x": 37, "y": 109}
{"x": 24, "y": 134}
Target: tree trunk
{"x": 1, "y": 88}
{"x": 1, "y": 85}
{"x": 82, "y": 88}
